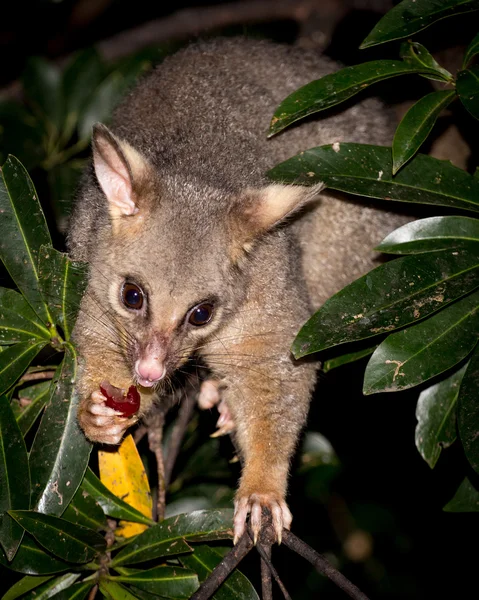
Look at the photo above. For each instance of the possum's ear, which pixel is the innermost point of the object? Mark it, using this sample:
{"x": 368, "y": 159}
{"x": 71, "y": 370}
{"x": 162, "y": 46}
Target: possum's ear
{"x": 259, "y": 210}
{"x": 119, "y": 169}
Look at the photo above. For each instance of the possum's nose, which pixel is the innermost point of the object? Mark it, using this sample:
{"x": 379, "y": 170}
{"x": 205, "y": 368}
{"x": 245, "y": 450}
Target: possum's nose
{"x": 149, "y": 371}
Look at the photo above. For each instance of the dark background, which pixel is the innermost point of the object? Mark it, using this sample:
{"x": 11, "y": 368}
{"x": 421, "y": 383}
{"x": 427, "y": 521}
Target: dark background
{"x": 378, "y": 516}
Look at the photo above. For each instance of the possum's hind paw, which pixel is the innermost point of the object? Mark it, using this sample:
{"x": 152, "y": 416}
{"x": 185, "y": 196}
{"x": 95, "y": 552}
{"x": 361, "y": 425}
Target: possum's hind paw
{"x": 100, "y": 423}
{"x": 253, "y": 504}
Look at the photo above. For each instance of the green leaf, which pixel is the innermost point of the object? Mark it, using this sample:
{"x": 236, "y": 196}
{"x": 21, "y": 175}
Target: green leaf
{"x": 53, "y": 587}
{"x": 237, "y": 586}
{"x": 471, "y": 51}
{"x": 111, "y": 504}
{"x": 63, "y": 181}
{"x": 85, "y": 511}
{"x": 366, "y": 170}
{"x": 101, "y": 103}
{"x": 78, "y": 591}
{"x": 337, "y": 87}
{"x": 32, "y": 559}
{"x": 80, "y": 78}
{"x": 467, "y": 86}
{"x": 167, "y": 538}
{"x": 71, "y": 542}
{"x": 468, "y": 411}
{"x": 170, "y": 582}
{"x": 31, "y": 401}
{"x": 114, "y": 591}
{"x": 344, "y": 359}
{"x": 431, "y": 234}
{"x": 391, "y": 296}
{"x": 317, "y": 451}
{"x": 436, "y": 417}
{"x": 414, "y": 355}
{"x": 20, "y": 135}
{"x": 42, "y": 86}
{"x": 410, "y": 16}
{"x": 23, "y": 230}
{"x": 62, "y": 282}
{"x": 417, "y": 55}
{"x": 60, "y": 451}
{"x": 18, "y": 322}
{"x": 14, "y": 360}
{"x": 417, "y": 124}
{"x": 14, "y": 478}
{"x": 466, "y": 498}
{"x": 24, "y": 585}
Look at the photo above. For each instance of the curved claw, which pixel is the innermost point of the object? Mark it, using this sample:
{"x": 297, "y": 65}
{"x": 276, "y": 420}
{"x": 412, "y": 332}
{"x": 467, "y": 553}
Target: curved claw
{"x": 254, "y": 504}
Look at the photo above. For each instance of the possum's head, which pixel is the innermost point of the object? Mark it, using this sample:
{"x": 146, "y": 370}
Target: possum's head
{"x": 172, "y": 265}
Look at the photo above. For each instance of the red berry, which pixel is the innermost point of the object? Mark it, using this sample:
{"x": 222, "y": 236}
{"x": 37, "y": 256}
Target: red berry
{"x": 128, "y": 404}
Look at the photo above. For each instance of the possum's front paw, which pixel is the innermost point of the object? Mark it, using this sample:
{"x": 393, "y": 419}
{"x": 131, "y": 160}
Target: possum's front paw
{"x": 208, "y": 397}
{"x": 253, "y": 504}
{"x": 101, "y": 423}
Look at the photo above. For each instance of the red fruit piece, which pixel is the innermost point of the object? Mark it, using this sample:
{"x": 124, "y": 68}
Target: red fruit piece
{"x": 128, "y": 404}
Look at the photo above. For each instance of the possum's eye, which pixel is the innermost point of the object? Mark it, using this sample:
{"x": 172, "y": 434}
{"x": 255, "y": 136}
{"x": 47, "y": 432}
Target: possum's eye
{"x": 201, "y": 314}
{"x": 132, "y": 296}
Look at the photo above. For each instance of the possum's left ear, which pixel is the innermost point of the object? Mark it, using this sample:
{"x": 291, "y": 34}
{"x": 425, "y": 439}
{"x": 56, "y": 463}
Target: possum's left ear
{"x": 259, "y": 210}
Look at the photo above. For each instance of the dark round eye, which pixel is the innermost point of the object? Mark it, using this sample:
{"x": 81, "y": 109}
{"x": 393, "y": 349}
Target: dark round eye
{"x": 132, "y": 296}
{"x": 201, "y": 314}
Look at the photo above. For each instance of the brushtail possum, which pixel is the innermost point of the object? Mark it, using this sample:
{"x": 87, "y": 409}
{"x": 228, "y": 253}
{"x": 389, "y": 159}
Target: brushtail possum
{"x": 193, "y": 253}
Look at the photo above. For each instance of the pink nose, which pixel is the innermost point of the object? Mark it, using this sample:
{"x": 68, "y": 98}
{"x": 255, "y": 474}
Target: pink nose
{"x": 149, "y": 371}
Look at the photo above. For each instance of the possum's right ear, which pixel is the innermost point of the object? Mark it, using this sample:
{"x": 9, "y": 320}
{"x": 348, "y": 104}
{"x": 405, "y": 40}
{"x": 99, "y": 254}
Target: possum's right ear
{"x": 119, "y": 169}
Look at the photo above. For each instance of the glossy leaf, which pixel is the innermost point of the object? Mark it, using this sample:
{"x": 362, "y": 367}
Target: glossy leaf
{"x": 24, "y": 585}
{"x": 31, "y": 401}
{"x": 335, "y": 88}
{"x": 170, "y": 582}
{"x": 366, "y": 171}
{"x": 317, "y": 451}
{"x": 431, "y": 234}
{"x": 71, "y": 542}
{"x": 53, "y": 587}
{"x": 467, "y": 86}
{"x": 42, "y": 85}
{"x": 204, "y": 559}
{"x": 18, "y": 322}
{"x": 20, "y": 135}
{"x": 466, "y": 498}
{"x": 410, "y": 16}
{"x": 471, "y": 51}
{"x": 111, "y": 504}
{"x": 167, "y": 538}
{"x": 344, "y": 359}
{"x": 32, "y": 559}
{"x": 60, "y": 451}
{"x": 14, "y": 478}
{"x": 123, "y": 473}
{"x": 84, "y": 510}
{"x": 23, "y": 230}
{"x": 468, "y": 411}
{"x": 391, "y": 296}
{"x": 417, "y": 124}
{"x": 436, "y": 417}
{"x": 416, "y": 354}
{"x": 418, "y": 56}
{"x": 14, "y": 361}
{"x": 115, "y": 591}
{"x": 79, "y": 591}
{"x": 62, "y": 282}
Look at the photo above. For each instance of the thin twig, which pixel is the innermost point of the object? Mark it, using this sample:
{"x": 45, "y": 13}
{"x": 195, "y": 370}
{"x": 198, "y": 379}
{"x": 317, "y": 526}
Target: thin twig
{"x": 93, "y": 592}
{"x": 266, "y": 561}
{"x": 155, "y": 422}
{"x": 224, "y": 568}
{"x": 322, "y": 565}
{"x": 266, "y": 572}
{"x": 185, "y": 413}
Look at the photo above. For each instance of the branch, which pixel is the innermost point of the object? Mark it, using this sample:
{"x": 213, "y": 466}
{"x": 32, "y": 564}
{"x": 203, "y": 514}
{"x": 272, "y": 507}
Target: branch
{"x": 322, "y": 565}
{"x": 224, "y": 568}
{"x": 185, "y": 412}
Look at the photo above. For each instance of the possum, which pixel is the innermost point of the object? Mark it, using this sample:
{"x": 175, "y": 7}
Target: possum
{"x": 194, "y": 253}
